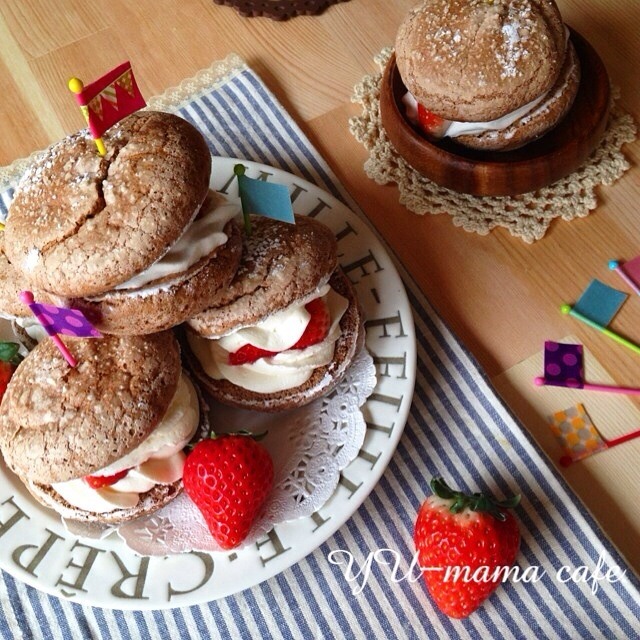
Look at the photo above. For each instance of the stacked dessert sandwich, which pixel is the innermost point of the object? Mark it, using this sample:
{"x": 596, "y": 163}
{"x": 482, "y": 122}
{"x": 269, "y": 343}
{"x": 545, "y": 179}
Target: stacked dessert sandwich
{"x": 138, "y": 242}
{"x": 488, "y": 74}
{"x": 130, "y": 238}
{"x": 286, "y": 330}
{"x": 102, "y": 442}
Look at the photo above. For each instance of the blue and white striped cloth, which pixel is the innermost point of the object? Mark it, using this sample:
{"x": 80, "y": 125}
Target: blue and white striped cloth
{"x": 457, "y": 428}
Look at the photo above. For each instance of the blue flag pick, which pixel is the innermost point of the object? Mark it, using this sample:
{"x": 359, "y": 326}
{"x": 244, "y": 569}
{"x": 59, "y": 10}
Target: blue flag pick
{"x": 596, "y": 307}
{"x": 268, "y": 199}
{"x": 600, "y": 302}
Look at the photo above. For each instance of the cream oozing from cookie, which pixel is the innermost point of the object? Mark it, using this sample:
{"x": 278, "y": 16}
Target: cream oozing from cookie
{"x": 200, "y": 238}
{"x": 287, "y": 369}
{"x": 453, "y": 129}
{"x": 159, "y": 459}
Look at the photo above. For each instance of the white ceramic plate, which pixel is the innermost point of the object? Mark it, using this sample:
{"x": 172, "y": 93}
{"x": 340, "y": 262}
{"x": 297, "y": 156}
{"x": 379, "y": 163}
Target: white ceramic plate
{"x": 36, "y": 549}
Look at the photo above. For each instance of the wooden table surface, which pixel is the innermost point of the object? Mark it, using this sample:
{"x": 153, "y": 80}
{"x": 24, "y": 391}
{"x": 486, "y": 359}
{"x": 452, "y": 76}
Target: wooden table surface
{"x": 500, "y": 295}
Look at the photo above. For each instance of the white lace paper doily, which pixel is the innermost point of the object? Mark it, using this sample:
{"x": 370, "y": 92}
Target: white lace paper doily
{"x": 309, "y": 446}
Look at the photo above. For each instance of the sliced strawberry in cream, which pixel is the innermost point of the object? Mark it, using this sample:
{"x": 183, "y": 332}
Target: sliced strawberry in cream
{"x": 288, "y": 334}
{"x": 316, "y": 330}
{"x": 97, "y": 482}
{"x": 249, "y": 354}
{"x": 6, "y": 371}
{"x": 318, "y": 326}
{"x": 431, "y": 123}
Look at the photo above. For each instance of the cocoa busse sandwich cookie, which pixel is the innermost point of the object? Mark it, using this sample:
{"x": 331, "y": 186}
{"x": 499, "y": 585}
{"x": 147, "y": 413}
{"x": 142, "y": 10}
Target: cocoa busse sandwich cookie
{"x": 489, "y": 74}
{"x": 24, "y": 325}
{"x": 11, "y": 284}
{"x": 288, "y": 327}
{"x": 130, "y": 238}
{"x": 102, "y": 442}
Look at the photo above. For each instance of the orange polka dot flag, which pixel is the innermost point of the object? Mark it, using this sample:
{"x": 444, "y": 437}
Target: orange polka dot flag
{"x": 576, "y": 433}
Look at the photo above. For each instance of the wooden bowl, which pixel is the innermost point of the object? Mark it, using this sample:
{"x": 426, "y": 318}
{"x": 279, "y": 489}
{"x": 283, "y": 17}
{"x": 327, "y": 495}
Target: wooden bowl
{"x": 493, "y": 173}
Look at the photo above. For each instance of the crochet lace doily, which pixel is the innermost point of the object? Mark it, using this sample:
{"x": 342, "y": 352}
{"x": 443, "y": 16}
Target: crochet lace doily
{"x": 526, "y": 216}
{"x": 309, "y": 446}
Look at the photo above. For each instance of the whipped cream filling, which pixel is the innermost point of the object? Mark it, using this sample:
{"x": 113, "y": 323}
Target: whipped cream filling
{"x": 198, "y": 240}
{"x": 277, "y": 332}
{"x": 286, "y": 370}
{"x": 159, "y": 459}
{"x": 31, "y": 327}
{"x": 453, "y": 129}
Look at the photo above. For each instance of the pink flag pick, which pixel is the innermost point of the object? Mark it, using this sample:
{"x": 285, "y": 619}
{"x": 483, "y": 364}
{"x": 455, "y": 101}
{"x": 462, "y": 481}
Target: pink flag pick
{"x": 629, "y": 271}
{"x": 107, "y": 100}
{"x": 110, "y": 98}
{"x": 60, "y": 320}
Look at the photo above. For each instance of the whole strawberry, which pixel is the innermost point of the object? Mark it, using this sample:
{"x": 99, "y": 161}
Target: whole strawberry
{"x": 6, "y": 371}
{"x": 228, "y": 477}
{"x": 461, "y": 541}
{"x": 10, "y": 358}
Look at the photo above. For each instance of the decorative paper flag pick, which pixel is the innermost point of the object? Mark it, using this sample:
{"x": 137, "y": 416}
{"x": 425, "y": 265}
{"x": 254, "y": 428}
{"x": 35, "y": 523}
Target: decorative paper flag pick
{"x": 263, "y": 198}
{"x": 630, "y": 272}
{"x": 59, "y": 320}
{"x": 563, "y": 367}
{"x": 596, "y": 307}
{"x": 579, "y": 437}
{"x": 600, "y": 302}
{"x": 107, "y": 100}
{"x": 576, "y": 434}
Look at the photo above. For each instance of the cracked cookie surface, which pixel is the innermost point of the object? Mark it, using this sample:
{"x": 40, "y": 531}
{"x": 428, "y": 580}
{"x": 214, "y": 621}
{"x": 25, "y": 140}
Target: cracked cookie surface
{"x": 280, "y": 263}
{"x": 474, "y": 60}
{"x": 80, "y": 224}
{"x": 58, "y": 423}
{"x": 11, "y": 284}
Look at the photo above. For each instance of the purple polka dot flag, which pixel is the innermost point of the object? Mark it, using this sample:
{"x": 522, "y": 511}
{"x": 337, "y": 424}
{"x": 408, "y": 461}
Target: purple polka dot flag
{"x": 63, "y": 321}
{"x": 563, "y": 364}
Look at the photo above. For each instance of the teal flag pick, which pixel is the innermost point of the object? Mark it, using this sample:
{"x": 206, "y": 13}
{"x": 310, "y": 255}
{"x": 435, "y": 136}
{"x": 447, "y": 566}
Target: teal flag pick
{"x": 600, "y": 302}
{"x": 596, "y": 307}
{"x": 263, "y": 198}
